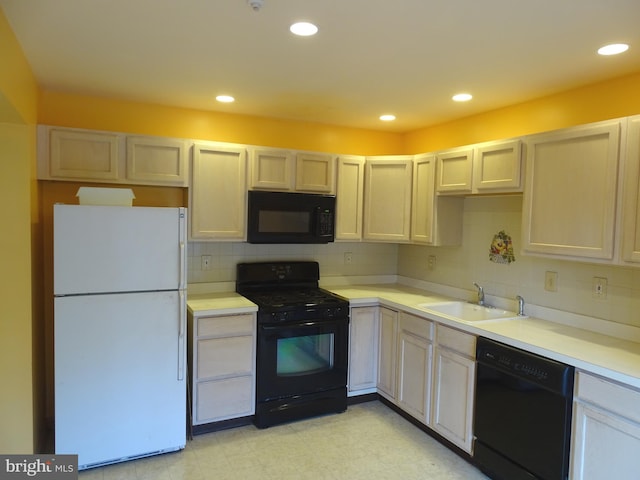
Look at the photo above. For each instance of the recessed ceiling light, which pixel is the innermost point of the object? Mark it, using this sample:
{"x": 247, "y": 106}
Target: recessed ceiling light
{"x": 225, "y": 99}
{"x": 303, "y": 29}
{"x": 462, "y": 97}
{"x": 613, "y": 49}
{"x": 387, "y": 117}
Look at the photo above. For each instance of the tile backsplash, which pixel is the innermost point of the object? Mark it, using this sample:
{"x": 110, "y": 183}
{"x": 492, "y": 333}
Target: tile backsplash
{"x": 458, "y": 266}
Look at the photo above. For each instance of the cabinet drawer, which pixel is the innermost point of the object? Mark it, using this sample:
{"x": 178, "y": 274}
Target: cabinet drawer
{"x": 456, "y": 340}
{"x": 616, "y": 398}
{"x": 416, "y": 326}
{"x": 224, "y": 356}
{"x": 227, "y": 325}
{"x": 220, "y": 399}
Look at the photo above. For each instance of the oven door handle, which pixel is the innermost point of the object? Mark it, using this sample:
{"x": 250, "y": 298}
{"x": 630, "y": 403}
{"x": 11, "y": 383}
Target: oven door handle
{"x": 279, "y": 326}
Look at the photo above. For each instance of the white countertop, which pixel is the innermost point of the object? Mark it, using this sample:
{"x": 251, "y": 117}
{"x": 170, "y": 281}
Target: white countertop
{"x": 608, "y": 356}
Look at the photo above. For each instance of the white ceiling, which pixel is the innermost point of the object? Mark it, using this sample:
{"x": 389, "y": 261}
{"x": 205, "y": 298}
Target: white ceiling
{"x": 406, "y": 57}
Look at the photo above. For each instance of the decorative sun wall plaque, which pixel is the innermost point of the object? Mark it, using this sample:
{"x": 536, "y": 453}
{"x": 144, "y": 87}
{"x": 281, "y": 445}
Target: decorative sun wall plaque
{"x": 501, "y": 250}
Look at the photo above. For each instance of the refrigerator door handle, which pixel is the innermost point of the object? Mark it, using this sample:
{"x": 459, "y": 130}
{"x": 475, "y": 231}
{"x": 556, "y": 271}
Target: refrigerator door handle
{"x": 181, "y": 284}
{"x": 181, "y": 336}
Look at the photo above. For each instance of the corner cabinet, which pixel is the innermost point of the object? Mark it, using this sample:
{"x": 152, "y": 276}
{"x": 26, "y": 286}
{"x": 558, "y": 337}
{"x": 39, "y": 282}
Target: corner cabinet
{"x": 570, "y": 195}
{"x": 218, "y": 193}
{"x": 387, "y": 199}
{"x": 454, "y": 386}
{"x": 631, "y": 199}
{"x": 434, "y": 220}
{"x": 363, "y": 350}
{"x": 606, "y": 430}
{"x": 349, "y": 197}
{"x": 222, "y": 375}
{"x": 455, "y": 171}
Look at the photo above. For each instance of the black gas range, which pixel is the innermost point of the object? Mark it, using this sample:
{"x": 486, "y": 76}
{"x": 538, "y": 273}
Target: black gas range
{"x": 302, "y": 341}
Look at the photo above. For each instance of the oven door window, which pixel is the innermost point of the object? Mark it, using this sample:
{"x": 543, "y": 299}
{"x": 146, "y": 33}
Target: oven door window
{"x": 305, "y": 355}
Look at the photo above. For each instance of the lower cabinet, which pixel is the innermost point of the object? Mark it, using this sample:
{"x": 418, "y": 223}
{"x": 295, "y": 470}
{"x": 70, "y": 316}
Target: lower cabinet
{"x": 415, "y": 353}
{"x": 222, "y": 374}
{"x": 606, "y": 430}
{"x": 387, "y": 347}
{"x": 363, "y": 350}
{"x": 453, "y": 386}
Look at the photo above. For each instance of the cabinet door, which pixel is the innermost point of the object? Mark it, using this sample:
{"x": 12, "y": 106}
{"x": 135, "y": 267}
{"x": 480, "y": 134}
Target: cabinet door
{"x": 363, "y": 349}
{"x": 497, "y": 167}
{"x": 571, "y": 192}
{"x": 315, "y": 172}
{"x": 218, "y": 207}
{"x": 83, "y": 155}
{"x": 454, "y": 171}
{"x": 423, "y": 199}
{"x": 631, "y": 201}
{"x": 453, "y": 388}
{"x": 387, "y": 193}
{"x": 271, "y": 169}
{"x": 349, "y": 198}
{"x": 161, "y": 161}
{"x": 604, "y": 445}
{"x": 387, "y": 353}
{"x": 414, "y": 366}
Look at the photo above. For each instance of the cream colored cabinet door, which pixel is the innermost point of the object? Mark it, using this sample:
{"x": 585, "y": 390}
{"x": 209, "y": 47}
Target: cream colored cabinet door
{"x": 454, "y": 386}
{"x": 497, "y": 167}
{"x": 271, "y": 169}
{"x": 570, "y": 194}
{"x": 363, "y": 350}
{"x": 218, "y": 207}
{"x": 79, "y": 155}
{"x": 222, "y": 376}
{"x": 349, "y": 197}
{"x": 606, "y": 430}
{"x": 631, "y": 200}
{"x": 434, "y": 220}
{"x": 455, "y": 171}
{"x": 415, "y": 353}
{"x": 387, "y": 348}
{"x": 387, "y": 199}
{"x": 315, "y": 173}
{"x": 161, "y": 161}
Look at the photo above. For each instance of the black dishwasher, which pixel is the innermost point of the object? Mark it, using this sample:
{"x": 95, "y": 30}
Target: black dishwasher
{"x": 522, "y": 420}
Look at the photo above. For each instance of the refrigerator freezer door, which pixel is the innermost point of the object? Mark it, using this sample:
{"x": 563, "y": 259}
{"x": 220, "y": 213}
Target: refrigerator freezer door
{"x": 104, "y": 249}
{"x": 117, "y": 363}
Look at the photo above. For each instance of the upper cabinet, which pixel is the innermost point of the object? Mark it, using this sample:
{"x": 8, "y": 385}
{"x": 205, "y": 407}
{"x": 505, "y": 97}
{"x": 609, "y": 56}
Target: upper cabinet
{"x": 285, "y": 170}
{"x": 570, "y": 192}
{"x": 387, "y": 198}
{"x": 218, "y": 193}
{"x": 74, "y": 154}
{"x": 434, "y": 220}
{"x": 455, "y": 168}
{"x": 492, "y": 167}
{"x": 349, "y": 197}
{"x": 631, "y": 195}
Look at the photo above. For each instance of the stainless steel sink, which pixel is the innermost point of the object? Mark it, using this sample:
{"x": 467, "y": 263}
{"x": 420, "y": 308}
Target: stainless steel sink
{"x": 468, "y": 312}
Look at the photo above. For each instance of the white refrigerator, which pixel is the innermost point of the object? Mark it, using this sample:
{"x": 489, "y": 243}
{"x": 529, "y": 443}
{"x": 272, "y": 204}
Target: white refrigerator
{"x": 119, "y": 332}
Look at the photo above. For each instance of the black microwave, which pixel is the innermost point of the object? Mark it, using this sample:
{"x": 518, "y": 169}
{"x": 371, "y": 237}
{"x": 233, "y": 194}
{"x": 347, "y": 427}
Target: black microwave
{"x": 283, "y": 217}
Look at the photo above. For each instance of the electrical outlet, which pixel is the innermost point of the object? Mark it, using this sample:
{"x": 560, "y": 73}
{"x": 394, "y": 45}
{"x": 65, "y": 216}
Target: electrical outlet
{"x": 551, "y": 281}
{"x": 431, "y": 262}
{"x": 348, "y": 258}
{"x": 599, "y": 289}
{"x": 205, "y": 262}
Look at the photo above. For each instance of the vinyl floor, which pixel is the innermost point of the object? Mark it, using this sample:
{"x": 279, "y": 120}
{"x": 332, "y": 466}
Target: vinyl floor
{"x": 368, "y": 441}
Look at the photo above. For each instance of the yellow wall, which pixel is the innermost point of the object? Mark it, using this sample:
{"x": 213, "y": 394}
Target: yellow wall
{"x": 619, "y": 97}
{"x": 20, "y": 403}
{"x": 70, "y": 110}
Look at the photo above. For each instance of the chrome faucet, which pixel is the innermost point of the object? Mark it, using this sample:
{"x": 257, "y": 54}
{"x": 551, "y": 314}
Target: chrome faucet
{"x": 520, "y": 305}
{"x": 480, "y": 293}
